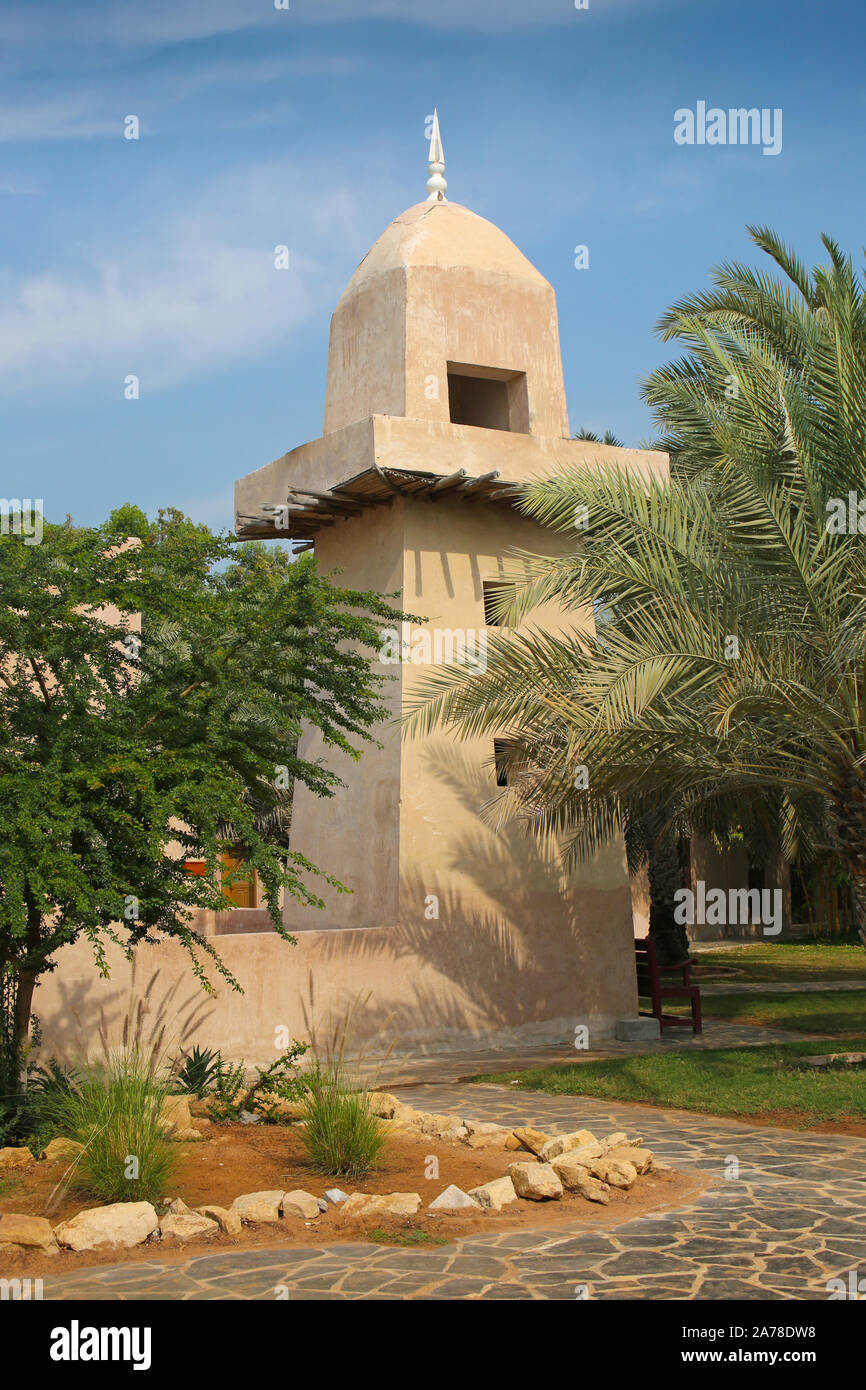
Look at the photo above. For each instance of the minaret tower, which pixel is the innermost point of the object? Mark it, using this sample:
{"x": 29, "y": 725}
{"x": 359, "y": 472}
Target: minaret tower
{"x": 444, "y": 390}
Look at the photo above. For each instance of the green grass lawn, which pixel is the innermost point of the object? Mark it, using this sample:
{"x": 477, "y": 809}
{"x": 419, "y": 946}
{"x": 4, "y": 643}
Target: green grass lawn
{"x": 783, "y": 960}
{"x": 742, "y": 1082}
{"x": 833, "y": 1014}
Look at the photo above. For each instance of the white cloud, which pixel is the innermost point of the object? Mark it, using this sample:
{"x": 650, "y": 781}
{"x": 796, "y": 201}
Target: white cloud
{"x": 68, "y": 118}
{"x": 160, "y": 23}
{"x": 87, "y": 110}
{"x": 197, "y": 291}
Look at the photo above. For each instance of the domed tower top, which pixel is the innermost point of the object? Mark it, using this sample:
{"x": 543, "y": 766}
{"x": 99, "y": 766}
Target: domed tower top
{"x": 446, "y": 320}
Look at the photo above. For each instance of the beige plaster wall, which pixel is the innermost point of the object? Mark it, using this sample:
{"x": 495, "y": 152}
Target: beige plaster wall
{"x": 425, "y": 1001}
{"x": 726, "y": 871}
{"x": 521, "y": 943}
{"x": 428, "y": 446}
{"x": 356, "y": 833}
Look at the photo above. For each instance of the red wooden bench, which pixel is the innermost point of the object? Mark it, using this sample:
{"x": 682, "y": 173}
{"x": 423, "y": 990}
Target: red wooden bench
{"x": 653, "y": 981}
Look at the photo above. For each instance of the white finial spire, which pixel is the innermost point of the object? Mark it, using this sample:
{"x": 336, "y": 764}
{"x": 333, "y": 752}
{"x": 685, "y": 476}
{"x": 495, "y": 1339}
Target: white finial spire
{"x": 436, "y": 184}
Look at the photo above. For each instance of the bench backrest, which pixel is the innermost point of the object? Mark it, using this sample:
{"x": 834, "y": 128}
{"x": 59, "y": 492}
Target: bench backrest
{"x": 647, "y": 968}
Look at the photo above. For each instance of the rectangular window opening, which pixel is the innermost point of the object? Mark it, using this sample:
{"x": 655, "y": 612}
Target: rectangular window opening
{"x": 494, "y": 591}
{"x": 243, "y": 892}
{"x": 500, "y": 759}
{"x": 487, "y": 397}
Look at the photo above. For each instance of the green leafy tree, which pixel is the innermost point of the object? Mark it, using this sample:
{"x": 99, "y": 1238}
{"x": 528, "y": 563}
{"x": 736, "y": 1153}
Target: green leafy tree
{"x": 729, "y": 679}
{"x": 123, "y": 754}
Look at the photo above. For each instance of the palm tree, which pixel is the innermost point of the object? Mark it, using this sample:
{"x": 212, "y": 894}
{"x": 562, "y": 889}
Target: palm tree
{"x": 590, "y": 437}
{"x": 731, "y": 672}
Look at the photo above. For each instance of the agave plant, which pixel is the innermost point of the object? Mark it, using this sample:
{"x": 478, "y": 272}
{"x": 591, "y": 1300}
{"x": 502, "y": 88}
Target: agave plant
{"x": 729, "y": 675}
{"x": 197, "y": 1075}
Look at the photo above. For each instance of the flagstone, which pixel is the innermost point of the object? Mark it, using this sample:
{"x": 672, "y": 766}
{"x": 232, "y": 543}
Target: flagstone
{"x": 790, "y": 1222}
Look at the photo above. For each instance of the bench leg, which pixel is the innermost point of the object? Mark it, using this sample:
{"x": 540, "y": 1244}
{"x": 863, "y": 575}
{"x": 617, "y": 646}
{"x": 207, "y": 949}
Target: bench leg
{"x": 697, "y": 1023}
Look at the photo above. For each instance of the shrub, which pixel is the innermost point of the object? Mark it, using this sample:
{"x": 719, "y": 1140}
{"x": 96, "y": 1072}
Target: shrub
{"x": 341, "y": 1134}
{"x": 228, "y": 1080}
{"x": 278, "y": 1081}
{"x": 47, "y": 1087}
{"x": 198, "y": 1073}
{"x": 115, "y": 1114}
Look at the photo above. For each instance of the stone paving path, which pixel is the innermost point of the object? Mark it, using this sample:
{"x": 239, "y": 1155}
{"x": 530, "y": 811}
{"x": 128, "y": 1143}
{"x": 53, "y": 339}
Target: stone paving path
{"x": 458, "y": 1066}
{"x": 790, "y": 1220}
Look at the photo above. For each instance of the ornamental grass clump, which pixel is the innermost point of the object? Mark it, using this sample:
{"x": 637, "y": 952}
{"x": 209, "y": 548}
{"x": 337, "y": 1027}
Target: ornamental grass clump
{"x": 341, "y": 1134}
{"x": 115, "y": 1113}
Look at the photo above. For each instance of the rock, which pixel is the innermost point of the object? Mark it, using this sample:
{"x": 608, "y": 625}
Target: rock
{"x": 834, "y": 1059}
{"x": 562, "y": 1143}
{"x": 255, "y": 1208}
{"x": 384, "y": 1105}
{"x": 32, "y": 1231}
{"x": 582, "y": 1182}
{"x": 483, "y": 1127}
{"x": 178, "y": 1208}
{"x": 614, "y": 1171}
{"x": 228, "y": 1221}
{"x": 247, "y": 1117}
{"x": 406, "y": 1115}
{"x": 535, "y": 1181}
{"x": 572, "y": 1167}
{"x": 487, "y": 1136}
{"x": 512, "y": 1142}
{"x": 302, "y": 1204}
{"x": 531, "y": 1139}
{"x": 62, "y": 1150}
{"x": 574, "y": 1173}
{"x": 583, "y": 1157}
{"x": 335, "y": 1195}
{"x": 16, "y": 1158}
{"x": 614, "y": 1141}
{"x": 321, "y": 1204}
{"x": 641, "y": 1159}
{"x": 191, "y": 1226}
{"x": 393, "y": 1204}
{"x": 494, "y": 1195}
{"x": 120, "y": 1224}
{"x": 280, "y": 1109}
{"x": 174, "y": 1115}
{"x": 354, "y": 1204}
{"x": 441, "y": 1126}
{"x": 453, "y": 1199}
{"x": 638, "y": 1029}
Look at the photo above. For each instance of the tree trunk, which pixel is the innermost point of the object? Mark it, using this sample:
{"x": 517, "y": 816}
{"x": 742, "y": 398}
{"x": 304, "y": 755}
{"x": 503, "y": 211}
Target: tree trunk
{"x": 24, "y": 980}
{"x": 858, "y": 882}
{"x": 850, "y": 833}
{"x": 663, "y": 862}
{"x": 24, "y": 987}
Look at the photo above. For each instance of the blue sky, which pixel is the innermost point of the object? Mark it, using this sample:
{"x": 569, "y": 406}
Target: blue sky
{"x": 305, "y": 127}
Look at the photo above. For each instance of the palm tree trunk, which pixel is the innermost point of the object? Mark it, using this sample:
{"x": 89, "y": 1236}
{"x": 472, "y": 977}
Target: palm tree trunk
{"x": 850, "y": 829}
{"x": 858, "y": 882}
{"x": 663, "y": 864}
